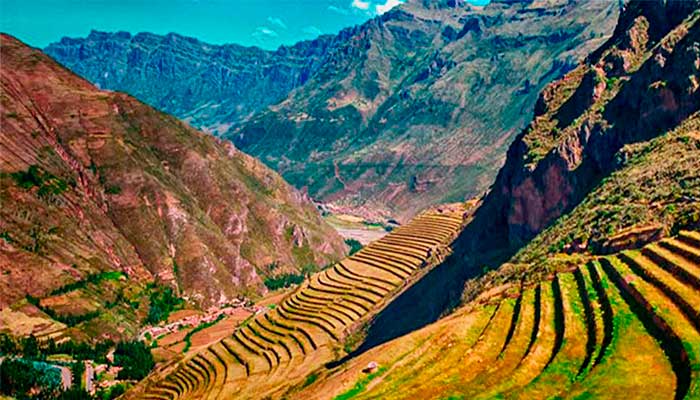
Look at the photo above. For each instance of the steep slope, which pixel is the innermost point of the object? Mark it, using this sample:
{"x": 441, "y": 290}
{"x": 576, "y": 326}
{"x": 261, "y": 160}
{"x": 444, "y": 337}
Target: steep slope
{"x": 419, "y": 105}
{"x": 96, "y": 181}
{"x": 622, "y": 326}
{"x": 595, "y": 304}
{"x": 598, "y": 119}
{"x": 210, "y": 86}
{"x": 610, "y": 162}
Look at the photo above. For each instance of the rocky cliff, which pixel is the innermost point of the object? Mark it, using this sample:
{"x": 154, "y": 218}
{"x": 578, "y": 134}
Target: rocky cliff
{"x": 643, "y": 83}
{"x": 210, "y": 86}
{"x": 96, "y": 181}
{"x": 416, "y": 106}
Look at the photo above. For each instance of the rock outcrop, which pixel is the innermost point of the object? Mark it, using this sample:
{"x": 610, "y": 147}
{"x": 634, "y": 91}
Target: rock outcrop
{"x": 640, "y": 85}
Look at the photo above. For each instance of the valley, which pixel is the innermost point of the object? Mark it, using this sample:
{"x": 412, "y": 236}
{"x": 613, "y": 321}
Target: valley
{"x": 497, "y": 201}
{"x": 415, "y": 107}
{"x": 312, "y": 324}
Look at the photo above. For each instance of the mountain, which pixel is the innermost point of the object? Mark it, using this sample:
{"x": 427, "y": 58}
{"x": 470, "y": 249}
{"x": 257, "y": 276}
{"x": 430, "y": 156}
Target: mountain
{"x": 207, "y": 85}
{"x": 608, "y": 163}
{"x": 414, "y": 107}
{"x": 582, "y": 262}
{"x": 419, "y": 106}
{"x": 600, "y": 130}
{"x": 95, "y": 181}
{"x": 595, "y": 218}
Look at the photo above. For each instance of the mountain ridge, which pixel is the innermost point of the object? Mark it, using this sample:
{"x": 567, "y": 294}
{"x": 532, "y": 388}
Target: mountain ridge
{"x": 152, "y": 197}
{"x": 359, "y": 129}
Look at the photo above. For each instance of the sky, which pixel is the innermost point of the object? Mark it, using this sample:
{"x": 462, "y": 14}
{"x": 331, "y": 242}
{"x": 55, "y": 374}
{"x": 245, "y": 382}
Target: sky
{"x": 264, "y": 23}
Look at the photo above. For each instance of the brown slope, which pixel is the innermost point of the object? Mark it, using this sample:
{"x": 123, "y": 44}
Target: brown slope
{"x": 94, "y": 181}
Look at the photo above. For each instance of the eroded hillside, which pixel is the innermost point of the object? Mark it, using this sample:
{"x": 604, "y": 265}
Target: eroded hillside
{"x": 96, "y": 182}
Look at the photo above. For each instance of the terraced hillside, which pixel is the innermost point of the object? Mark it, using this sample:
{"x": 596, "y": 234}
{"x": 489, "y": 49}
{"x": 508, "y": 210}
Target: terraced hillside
{"x": 620, "y": 326}
{"x": 310, "y": 326}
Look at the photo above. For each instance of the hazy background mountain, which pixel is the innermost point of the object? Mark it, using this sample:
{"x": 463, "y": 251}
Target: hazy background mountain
{"x": 414, "y": 107}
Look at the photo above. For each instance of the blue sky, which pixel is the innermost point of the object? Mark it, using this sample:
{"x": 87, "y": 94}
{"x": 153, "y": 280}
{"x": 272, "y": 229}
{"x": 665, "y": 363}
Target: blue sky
{"x": 264, "y": 23}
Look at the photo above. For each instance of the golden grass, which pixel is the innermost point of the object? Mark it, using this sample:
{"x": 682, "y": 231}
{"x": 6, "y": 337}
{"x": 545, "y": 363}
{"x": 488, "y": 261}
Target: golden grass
{"x": 303, "y": 330}
{"x": 603, "y": 331}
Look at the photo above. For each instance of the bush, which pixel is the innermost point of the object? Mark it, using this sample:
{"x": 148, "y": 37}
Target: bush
{"x": 355, "y": 245}
{"x": 114, "y": 189}
{"x": 163, "y": 302}
{"x": 34, "y": 176}
{"x": 111, "y": 393}
{"x": 283, "y": 281}
{"x": 135, "y": 359}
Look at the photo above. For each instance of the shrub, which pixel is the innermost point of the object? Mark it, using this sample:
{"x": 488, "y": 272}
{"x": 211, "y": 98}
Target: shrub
{"x": 34, "y": 176}
{"x": 283, "y": 281}
{"x": 111, "y": 393}
{"x": 163, "y": 301}
{"x": 354, "y": 245}
{"x": 113, "y": 189}
{"x": 135, "y": 359}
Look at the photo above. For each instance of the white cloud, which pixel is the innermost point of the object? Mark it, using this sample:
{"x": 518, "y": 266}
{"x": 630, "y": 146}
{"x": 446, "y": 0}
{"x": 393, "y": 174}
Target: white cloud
{"x": 277, "y": 22}
{"x": 382, "y": 8}
{"x": 263, "y": 32}
{"x": 341, "y": 11}
{"x": 360, "y": 4}
{"x": 312, "y": 31}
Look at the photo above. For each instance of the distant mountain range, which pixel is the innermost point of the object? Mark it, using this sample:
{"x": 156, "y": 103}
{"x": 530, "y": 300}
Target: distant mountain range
{"x": 210, "y": 86}
{"x": 414, "y": 107}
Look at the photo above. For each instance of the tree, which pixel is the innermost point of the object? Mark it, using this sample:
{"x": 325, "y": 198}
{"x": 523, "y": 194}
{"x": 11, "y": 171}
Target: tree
{"x": 355, "y": 245}
{"x": 8, "y": 345}
{"x": 30, "y": 347}
{"x": 135, "y": 359}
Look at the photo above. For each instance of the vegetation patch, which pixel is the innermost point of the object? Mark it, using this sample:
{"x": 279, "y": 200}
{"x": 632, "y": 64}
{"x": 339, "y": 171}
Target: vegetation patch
{"x": 135, "y": 359}
{"x": 47, "y": 183}
{"x": 354, "y": 245}
{"x": 283, "y": 281}
{"x": 360, "y": 385}
{"x": 163, "y": 301}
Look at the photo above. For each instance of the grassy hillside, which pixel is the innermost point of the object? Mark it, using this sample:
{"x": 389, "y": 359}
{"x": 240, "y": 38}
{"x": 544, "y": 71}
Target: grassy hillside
{"x": 618, "y": 326}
